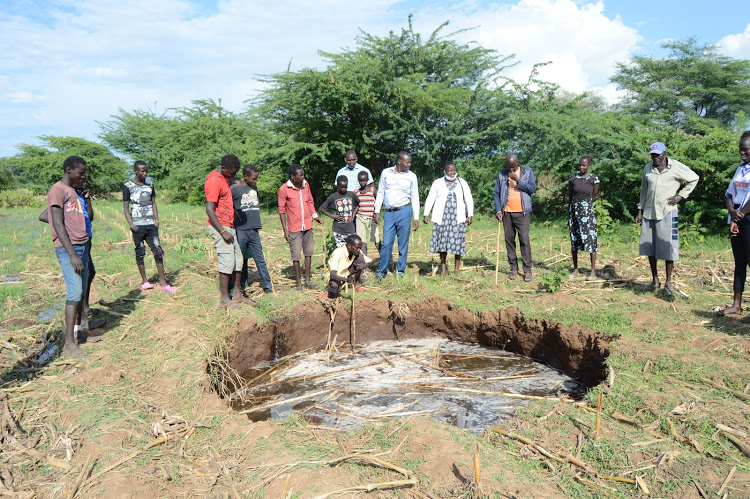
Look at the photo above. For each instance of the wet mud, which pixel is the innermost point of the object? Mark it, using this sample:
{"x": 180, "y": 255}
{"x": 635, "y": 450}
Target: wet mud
{"x": 575, "y": 350}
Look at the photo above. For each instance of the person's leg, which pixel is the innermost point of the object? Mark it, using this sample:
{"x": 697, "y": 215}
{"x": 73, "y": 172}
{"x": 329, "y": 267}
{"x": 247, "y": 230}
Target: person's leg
{"x": 523, "y": 226}
{"x": 592, "y": 274}
{"x": 443, "y": 264}
{"x": 243, "y": 239}
{"x": 403, "y": 232}
{"x": 308, "y": 249}
{"x": 655, "y": 283}
{"x": 297, "y": 276}
{"x": 92, "y": 273}
{"x": 457, "y": 269}
{"x": 740, "y": 246}
{"x": 574, "y": 255}
{"x": 669, "y": 266}
{"x": 332, "y": 289}
{"x": 389, "y": 237}
{"x": 152, "y": 238}
{"x": 224, "y": 298}
{"x": 295, "y": 248}
{"x": 308, "y": 264}
{"x": 238, "y": 259}
{"x": 509, "y": 229}
{"x": 139, "y": 239}
{"x": 74, "y": 295}
{"x": 255, "y": 251}
{"x": 225, "y": 256}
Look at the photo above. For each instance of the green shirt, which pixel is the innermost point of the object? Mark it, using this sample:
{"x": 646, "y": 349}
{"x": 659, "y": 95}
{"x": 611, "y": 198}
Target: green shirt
{"x": 656, "y": 188}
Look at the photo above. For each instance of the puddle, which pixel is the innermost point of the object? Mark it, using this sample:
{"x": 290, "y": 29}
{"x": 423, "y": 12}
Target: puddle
{"x": 468, "y": 385}
{"x": 10, "y": 278}
{"x": 49, "y": 314}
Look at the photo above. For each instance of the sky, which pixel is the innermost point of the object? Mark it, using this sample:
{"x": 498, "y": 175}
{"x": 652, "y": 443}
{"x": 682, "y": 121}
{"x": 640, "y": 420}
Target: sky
{"x": 66, "y": 65}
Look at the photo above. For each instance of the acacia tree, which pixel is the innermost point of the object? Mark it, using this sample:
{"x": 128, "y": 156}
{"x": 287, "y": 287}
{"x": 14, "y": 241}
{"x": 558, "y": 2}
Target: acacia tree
{"x": 40, "y": 166}
{"x": 692, "y": 81}
{"x": 426, "y": 96}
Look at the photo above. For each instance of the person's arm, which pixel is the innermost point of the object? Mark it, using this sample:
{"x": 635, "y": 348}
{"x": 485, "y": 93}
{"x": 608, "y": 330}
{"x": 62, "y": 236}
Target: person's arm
{"x": 570, "y": 191}
{"x": 89, "y": 209}
{"x": 322, "y": 209}
{"x": 44, "y": 216}
{"x": 58, "y": 223}
{"x": 379, "y": 197}
{"x": 282, "y": 212}
{"x": 469, "y": 200}
{"x": 126, "y": 208}
{"x": 690, "y": 178}
{"x": 211, "y": 212}
{"x": 527, "y": 186}
{"x": 355, "y": 203}
{"x": 642, "y": 199}
{"x": 415, "y": 201}
{"x": 595, "y": 193}
{"x": 429, "y": 202}
{"x": 311, "y": 205}
{"x": 496, "y": 195}
{"x": 336, "y": 277}
{"x": 153, "y": 206}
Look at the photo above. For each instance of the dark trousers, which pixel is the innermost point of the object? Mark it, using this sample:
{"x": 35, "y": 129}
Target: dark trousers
{"x": 147, "y": 234}
{"x": 741, "y": 252}
{"x": 517, "y": 223}
{"x": 249, "y": 241}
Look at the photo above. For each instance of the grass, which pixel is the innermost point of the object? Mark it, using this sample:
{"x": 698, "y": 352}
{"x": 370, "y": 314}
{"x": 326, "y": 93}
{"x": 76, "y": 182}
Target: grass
{"x": 152, "y": 363}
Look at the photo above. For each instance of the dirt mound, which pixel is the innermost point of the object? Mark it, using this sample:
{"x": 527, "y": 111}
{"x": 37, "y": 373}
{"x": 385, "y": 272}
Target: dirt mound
{"x": 577, "y": 351}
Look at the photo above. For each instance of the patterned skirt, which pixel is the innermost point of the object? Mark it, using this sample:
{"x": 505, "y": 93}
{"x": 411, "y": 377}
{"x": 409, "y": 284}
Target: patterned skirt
{"x": 449, "y": 236}
{"x": 582, "y": 223}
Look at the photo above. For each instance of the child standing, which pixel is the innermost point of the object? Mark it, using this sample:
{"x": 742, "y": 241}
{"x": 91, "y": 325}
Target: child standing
{"x": 139, "y": 205}
{"x": 366, "y": 193}
{"x": 345, "y": 206}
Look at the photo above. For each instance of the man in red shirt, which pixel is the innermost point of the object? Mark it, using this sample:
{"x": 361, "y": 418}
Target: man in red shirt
{"x": 220, "y": 211}
{"x": 297, "y": 211}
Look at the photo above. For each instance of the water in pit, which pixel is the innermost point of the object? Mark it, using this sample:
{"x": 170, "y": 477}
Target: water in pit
{"x": 470, "y": 386}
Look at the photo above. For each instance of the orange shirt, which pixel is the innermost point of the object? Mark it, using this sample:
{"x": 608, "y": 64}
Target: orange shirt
{"x": 217, "y": 191}
{"x": 514, "y": 197}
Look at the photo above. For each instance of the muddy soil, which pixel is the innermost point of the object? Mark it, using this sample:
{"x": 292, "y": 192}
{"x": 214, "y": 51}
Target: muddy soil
{"x": 578, "y": 352}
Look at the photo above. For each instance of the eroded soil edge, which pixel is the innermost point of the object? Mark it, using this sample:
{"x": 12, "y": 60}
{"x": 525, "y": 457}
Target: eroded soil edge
{"x": 575, "y": 350}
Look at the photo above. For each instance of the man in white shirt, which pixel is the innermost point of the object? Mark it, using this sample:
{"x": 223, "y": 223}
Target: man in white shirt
{"x": 398, "y": 197}
{"x": 351, "y": 170}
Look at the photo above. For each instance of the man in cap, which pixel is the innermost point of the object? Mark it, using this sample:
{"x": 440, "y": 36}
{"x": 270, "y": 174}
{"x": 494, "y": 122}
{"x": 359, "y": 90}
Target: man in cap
{"x": 664, "y": 184}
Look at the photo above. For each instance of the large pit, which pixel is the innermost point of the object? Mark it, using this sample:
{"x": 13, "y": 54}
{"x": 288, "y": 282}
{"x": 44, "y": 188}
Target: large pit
{"x": 431, "y": 341}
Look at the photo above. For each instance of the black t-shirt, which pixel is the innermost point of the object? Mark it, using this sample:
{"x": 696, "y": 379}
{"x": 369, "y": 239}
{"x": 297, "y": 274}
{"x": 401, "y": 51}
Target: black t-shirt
{"x": 583, "y": 187}
{"x": 342, "y": 205}
{"x": 246, "y": 206}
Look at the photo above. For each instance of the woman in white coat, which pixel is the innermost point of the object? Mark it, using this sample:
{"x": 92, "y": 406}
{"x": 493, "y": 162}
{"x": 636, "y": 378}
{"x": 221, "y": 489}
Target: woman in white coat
{"x": 452, "y": 209}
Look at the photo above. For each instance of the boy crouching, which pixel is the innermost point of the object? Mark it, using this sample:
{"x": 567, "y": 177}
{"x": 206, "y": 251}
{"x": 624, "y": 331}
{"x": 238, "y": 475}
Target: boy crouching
{"x": 346, "y": 264}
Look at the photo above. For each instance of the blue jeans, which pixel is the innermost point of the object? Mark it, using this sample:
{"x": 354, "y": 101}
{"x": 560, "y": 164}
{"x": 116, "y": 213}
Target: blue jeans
{"x": 249, "y": 241}
{"x": 395, "y": 224}
{"x": 75, "y": 284}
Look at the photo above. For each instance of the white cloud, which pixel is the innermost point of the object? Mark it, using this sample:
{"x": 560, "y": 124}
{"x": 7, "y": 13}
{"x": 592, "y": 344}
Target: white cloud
{"x": 736, "y": 45}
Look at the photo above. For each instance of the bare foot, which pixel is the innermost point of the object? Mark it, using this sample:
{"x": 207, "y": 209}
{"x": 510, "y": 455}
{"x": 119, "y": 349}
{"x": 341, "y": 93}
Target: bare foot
{"x": 238, "y": 298}
{"x": 733, "y": 310}
{"x": 573, "y": 274}
{"x": 228, "y": 303}
{"x": 73, "y": 351}
{"x": 591, "y": 276}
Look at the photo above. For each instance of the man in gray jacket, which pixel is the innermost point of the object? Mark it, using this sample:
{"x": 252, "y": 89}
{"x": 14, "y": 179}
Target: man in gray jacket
{"x": 513, "y": 190}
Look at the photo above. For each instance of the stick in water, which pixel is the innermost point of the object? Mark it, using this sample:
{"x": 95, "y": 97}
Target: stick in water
{"x": 497, "y": 249}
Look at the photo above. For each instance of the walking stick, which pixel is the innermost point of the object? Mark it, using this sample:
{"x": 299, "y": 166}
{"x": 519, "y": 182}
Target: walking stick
{"x": 325, "y": 246}
{"x": 353, "y": 325}
{"x": 497, "y": 250}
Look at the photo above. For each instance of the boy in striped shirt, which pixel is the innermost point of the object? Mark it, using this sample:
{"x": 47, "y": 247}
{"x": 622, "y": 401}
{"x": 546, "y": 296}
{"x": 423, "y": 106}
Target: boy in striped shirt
{"x": 366, "y": 193}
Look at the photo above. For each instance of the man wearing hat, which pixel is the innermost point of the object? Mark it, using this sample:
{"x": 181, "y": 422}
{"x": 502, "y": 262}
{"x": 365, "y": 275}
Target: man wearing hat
{"x": 665, "y": 183}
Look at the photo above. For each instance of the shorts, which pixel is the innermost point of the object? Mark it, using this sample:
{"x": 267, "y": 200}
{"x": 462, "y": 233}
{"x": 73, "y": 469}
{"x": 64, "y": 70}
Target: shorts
{"x": 229, "y": 255}
{"x": 367, "y": 230}
{"x": 75, "y": 284}
{"x": 301, "y": 243}
{"x": 659, "y": 238}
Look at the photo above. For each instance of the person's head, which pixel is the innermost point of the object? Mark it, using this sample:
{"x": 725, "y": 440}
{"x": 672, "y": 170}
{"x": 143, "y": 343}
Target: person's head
{"x": 74, "y": 169}
{"x": 250, "y": 174}
{"x": 363, "y": 179}
{"x": 140, "y": 168}
{"x": 745, "y": 147}
{"x": 353, "y": 244}
{"x": 511, "y": 161}
{"x": 342, "y": 184}
{"x": 351, "y": 158}
{"x": 230, "y": 164}
{"x": 404, "y": 161}
{"x": 296, "y": 175}
{"x": 657, "y": 151}
{"x": 584, "y": 164}
{"x": 449, "y": 168}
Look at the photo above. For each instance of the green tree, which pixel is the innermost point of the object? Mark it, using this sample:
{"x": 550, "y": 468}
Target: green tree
{"x": 398, "y": 92}
{"x": 182, "y": 145}
{"x": 692, "y": 81}
{"x": 40, "y": 166}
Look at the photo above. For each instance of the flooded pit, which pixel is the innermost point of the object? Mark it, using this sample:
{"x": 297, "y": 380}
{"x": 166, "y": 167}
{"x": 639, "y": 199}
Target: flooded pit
{"x": 427, "y": 358}
{"x": 469, "y": 386}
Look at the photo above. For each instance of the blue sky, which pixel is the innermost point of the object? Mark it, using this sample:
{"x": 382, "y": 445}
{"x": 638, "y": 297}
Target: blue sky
{"x": 64, "y": 64}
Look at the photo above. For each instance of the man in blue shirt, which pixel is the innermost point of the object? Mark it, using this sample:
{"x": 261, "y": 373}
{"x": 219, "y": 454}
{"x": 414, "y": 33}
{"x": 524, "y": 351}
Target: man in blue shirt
{"x": 398, "y": 197}
{"x": 351, "y": 170}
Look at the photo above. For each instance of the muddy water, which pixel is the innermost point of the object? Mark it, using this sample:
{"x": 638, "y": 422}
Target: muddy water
{"x": 468, "y": 385}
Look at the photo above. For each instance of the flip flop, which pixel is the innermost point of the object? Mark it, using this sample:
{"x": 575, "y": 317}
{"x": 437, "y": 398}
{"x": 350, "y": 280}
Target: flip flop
{"x": 146, "y": 285}
{"x": 167, "y": 288}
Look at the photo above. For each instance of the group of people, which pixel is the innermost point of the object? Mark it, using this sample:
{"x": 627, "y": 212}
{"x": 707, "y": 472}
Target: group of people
{"x": 358, "y": 209}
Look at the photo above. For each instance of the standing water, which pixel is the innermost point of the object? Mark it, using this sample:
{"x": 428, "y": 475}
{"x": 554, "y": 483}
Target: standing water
{"x": 470, "y": 386}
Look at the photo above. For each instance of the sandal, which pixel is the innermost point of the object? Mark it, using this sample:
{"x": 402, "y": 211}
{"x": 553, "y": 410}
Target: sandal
{"x": 146, "y": 285}
{"x": 167, "y": 288}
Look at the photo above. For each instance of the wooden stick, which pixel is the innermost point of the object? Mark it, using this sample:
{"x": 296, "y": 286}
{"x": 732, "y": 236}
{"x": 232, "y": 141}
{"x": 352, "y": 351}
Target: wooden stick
{"x": 325, "y": 247}
{"x": 727, "y": 480}
{"x": 597, "y": 432}
{"x": 736, "y": 441}
{"x": 353, "y": 325}
{"x": 736, "y": 433}
{"x": 477, "y": 473}
{"x": 263, "y": 407}
{"x": 497, "y": 249}
{"x": 372, "y": 486}
{"x": 738, "y": 394}
{"x": 78, "y": 481}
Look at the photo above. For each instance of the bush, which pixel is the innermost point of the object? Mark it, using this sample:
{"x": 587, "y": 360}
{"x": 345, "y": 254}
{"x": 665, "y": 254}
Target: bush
{"x": 15, "y": 198}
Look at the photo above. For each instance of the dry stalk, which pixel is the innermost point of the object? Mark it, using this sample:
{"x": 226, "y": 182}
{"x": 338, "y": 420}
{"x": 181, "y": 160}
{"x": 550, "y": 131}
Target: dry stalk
{"x": 727, "y": 480}
{"x": 736, "y": 393}
{"x": 597, "y": 431}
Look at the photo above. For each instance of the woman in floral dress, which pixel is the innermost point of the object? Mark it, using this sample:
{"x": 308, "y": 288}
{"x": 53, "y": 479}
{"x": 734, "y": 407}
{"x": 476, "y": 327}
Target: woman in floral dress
{"x": 582, "y": 190}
